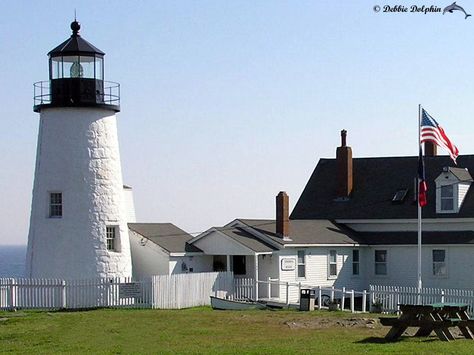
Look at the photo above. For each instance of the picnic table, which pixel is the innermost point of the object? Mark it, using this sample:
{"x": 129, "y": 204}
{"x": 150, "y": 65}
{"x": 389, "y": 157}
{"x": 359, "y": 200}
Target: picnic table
{"x": 437, "y": 317}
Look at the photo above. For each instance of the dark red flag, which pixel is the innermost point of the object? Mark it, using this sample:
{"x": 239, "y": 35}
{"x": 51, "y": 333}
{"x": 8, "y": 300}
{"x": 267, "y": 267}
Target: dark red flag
{"x": 422, "y": 186}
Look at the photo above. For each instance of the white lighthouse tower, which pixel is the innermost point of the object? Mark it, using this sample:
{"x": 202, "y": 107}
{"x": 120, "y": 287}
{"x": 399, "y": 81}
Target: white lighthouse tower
{"x": 78, "y": 226}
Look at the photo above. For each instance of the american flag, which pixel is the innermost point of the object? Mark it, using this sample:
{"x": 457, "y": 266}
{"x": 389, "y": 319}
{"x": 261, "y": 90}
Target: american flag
{"x": 431, "y": 131}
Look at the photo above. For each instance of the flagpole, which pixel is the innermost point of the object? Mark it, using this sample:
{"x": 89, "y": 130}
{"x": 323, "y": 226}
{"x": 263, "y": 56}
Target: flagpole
{"x": 419, "y": 213}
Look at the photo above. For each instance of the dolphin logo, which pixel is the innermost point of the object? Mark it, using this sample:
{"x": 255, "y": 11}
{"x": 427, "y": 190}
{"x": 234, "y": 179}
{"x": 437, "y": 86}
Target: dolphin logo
{"x": 453, "y": 7}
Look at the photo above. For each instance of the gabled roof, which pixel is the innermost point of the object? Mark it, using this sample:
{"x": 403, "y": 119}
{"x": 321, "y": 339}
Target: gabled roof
{"x": 306, "y": 232}
{"x": 246, "y": 239}
{"x": 166, "y": 235}
{"x": 375, "y": 181}
{"x": 462, "y": 175}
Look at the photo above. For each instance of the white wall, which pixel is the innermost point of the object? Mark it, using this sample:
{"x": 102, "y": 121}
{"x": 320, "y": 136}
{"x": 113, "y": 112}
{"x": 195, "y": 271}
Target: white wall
{"x": 199, "y": 263}
{"x": 402, "y": 266}
{"x": 78, "y": 155}
{"x": 129, "y": 205}
{"x": 148, "y": 259}
{"x": 317, "y": 269}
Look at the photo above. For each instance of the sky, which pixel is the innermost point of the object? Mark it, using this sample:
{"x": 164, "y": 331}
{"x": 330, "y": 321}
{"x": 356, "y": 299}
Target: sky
{"x": 226, "y": 103}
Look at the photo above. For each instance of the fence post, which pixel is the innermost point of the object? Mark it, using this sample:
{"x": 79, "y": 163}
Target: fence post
{"x": 398, "y": 300}
{"x": 287, "y": 293}
{"x": 442, "y": 296}
{"x": 343, "y": 299}
{"x": 320, "y": 295}
{"x": 332, "y": 293}
{"x": 299, "y": 292}
{"x": 352, "y": 302}
{"x": 12, "y": 295}
{"x": 269, "y": 288}
{"x": 256, "y": 289}
{"x": 63, "y": 294}
{"x": 364, "y": 301}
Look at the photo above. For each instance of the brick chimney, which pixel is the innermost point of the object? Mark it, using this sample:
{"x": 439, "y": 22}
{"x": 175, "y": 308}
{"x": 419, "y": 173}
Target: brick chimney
{"x": 431, "y": 149}
{"x": 282, "y": 215}
{"x": 344, "y": 168}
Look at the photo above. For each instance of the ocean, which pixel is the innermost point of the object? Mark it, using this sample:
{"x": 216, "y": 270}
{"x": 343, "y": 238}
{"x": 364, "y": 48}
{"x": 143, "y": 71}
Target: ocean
{"x": 12, "y": 260}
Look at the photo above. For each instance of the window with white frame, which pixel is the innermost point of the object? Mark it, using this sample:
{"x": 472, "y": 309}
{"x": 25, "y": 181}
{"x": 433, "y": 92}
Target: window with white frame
{"x": 355, "y": 262}
{"x": 55, "y": 204}
{"x": 439, "y": 262}
{"x": 380, "y": 262}
{"x": 301, "y": 264}
{"x": 111, "y": 237}
{"x": 332, "y": 267}
{"x": 447, "y": 198}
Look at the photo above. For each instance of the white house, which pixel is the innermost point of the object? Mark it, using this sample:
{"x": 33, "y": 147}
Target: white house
{"x": 354, "y": 224}
{"x": 163, "y": 249}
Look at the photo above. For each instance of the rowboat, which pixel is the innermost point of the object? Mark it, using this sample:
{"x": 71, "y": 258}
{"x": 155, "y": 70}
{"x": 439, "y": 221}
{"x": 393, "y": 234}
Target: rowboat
{"x": 225, "y": 304}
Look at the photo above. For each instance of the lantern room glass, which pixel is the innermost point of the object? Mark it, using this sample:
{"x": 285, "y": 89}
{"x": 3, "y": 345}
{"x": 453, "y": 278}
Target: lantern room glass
{"x": 75, "y": 66}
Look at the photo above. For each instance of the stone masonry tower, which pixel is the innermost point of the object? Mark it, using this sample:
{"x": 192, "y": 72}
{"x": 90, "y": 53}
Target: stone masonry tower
{"x": 78, "y": 228}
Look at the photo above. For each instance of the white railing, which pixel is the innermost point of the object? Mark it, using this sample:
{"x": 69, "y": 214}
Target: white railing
{"x": 392, "y": 296}
{"x": 164, "y": 291}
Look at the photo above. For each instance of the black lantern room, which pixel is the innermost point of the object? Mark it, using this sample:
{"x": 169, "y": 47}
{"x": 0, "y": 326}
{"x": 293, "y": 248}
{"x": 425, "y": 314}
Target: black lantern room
{"x": 76, "y": 77}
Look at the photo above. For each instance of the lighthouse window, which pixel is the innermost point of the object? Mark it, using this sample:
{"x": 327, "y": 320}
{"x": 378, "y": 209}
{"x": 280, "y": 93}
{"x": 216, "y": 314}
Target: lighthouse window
{"x": 87, "y": 64}
{"x": 99, "y": 68}
{"x": 71, "y": 67}
{"x": 55, "y": 204}
{"x": 111, "y": 233}
{"x": 57, "y": 67}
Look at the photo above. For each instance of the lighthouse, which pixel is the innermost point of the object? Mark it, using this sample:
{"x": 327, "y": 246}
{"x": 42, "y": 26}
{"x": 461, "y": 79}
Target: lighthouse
{"x": 78, "y": 227}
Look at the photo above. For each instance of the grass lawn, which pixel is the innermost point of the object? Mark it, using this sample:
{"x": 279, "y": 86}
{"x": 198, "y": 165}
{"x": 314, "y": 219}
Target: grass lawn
{"x": 202, "y": 330}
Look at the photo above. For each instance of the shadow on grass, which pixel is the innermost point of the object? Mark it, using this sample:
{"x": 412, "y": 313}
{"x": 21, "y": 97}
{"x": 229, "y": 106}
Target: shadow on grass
{"x": 378, "y": 340}
{"x": 374, "y": 340}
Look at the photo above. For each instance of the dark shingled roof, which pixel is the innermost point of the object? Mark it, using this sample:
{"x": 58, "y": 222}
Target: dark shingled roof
{"x": 306, "y": 232}
{"x": 246, "y": 239}
{"x": 166, "y": 235}
{"x": 75, "y": 45}
{"x": 455, "y": 237}
{"x": 376, "y": 180}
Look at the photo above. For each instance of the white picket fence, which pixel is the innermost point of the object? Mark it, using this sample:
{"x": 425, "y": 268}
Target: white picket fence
{"x": 191, "y": 290}
{"x": 164, "y": 291}
{"x": 392, "y": 296}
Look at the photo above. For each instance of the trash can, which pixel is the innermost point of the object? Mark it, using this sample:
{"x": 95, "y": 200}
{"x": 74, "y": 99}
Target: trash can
{"x": 307, "y": 298}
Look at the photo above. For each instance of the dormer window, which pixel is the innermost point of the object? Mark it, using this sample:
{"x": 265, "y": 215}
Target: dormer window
{"x": 452, "y": 186}
{"x": 447, "y": 198}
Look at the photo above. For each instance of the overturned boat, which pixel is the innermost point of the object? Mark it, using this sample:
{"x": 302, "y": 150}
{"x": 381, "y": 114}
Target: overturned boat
{"x": 225, "y": 304}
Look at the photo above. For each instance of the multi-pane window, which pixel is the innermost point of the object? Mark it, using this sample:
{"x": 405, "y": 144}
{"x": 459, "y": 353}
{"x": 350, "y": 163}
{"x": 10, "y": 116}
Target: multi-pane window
{"x": 55, "y": 204}
{"x": 111, "y": 237}
{"x": 332, "y": 263}
{"x": 355, "y": 262}
{"x": 301, "y": 264}
{"x": 380, "y": 262}
{"x": 447, "y": 198}
{"x": 439, "y": 262}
